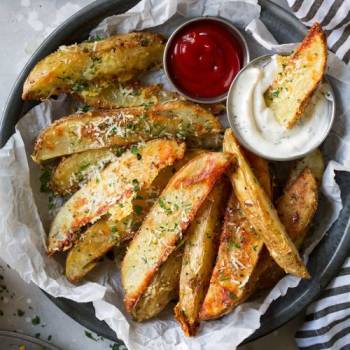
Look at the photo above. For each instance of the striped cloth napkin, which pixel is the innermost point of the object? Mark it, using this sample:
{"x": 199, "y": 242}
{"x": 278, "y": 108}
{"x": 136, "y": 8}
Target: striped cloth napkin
{"x": 327, "y": 321}
{"x": 334, "y": 17}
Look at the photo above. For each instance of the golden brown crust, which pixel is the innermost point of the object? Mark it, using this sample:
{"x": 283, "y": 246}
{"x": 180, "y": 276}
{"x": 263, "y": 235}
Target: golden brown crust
{"x": 169, "y": 217}
{"x": 125, "y": 126}
{"x": 71, "y": 68}
{"x": 298, "y": 78}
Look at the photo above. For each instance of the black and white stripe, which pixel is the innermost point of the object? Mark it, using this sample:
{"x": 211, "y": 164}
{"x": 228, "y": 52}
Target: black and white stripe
{"x": 334, "y": 17}
{"x": 327, "y": 321}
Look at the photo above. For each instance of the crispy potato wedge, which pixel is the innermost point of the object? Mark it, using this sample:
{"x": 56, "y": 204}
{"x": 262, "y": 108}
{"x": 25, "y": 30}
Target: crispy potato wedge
{"x": 71, "y": 68}
{"x": 239, "y": 252}
{"x": 261, "y": 213}
{"x": 112, "y": 94}
{"x": 163, "y": 288}
{"x": 164, "y": 225}
{"x": 114, "y": 188}
{"x": 298, "y": 77}
{"x": 122, "y": 127}
{"x": 296, "y": 209}
{"x": 102, "y": 236}
{"x": 74, "y": 171}
{"x": 199, "y": 257}
{"x": 314, "y": 161}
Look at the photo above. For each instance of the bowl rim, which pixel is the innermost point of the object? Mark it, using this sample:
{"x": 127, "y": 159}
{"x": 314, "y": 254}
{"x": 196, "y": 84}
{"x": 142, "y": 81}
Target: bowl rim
{"x": 255, "y": 62}
{"x": 234, "y": 31}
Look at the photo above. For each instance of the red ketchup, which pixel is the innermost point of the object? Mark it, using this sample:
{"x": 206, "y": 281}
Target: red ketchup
{"x": 203, "y": 59}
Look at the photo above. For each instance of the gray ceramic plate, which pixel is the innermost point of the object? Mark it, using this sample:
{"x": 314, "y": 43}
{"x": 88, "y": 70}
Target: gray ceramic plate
{"x": 325, "y": 260}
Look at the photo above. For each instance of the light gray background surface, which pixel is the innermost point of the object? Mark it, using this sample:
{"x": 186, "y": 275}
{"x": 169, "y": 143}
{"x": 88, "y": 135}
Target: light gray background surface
{"x": 23, "y": 26}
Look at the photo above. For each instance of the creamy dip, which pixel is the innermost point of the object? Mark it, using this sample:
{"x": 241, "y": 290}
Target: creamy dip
{"x": 257, "y": 126}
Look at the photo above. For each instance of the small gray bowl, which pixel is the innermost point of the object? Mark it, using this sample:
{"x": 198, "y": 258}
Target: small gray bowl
{"x": 261, "y": 62}
{"x": 237, "y": 35}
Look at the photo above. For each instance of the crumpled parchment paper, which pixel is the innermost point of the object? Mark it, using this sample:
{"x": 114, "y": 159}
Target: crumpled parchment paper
{"x": 25, "y": 218}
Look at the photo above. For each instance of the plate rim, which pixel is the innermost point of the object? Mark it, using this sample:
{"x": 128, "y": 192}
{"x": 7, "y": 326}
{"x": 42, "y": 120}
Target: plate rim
{"x": 15, "y": 108}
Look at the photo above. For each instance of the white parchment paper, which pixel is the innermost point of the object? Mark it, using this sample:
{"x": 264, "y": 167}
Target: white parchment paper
{"x": 24, "y": 216}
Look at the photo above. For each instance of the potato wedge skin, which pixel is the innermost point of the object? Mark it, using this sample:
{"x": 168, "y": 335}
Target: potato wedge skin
{"x": 261, "y": 213}
{"x": 74, "y": 171}
{"x": 296, "y": 209}
{"x": 113, "y": 188}
{"x": 299, "y": 76}
{"x": 102, "y": 236}
{"x": 112, "y": 94}
{"x": 164, "y": 225}
{"x": 122, "y": 127}
{"x": 163, "y": 288}
{"x": 70, "y": 68}
{"x": 199, "y": 257}
{"x": 314, "y": 161}
{"x": 239, "y": 252}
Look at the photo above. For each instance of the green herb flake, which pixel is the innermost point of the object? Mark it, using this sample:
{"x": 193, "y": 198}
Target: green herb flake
{"x": 36, "y": 320}
{"x": 235, "y": 245}
{"x": 138, "y": 209}
{"x": 20, "y": 312}
{"x": 84, "y": 108}
{"x": 89, "y": 335}
{"x": 45, "y": 178}
{"x": 136, "y": 184}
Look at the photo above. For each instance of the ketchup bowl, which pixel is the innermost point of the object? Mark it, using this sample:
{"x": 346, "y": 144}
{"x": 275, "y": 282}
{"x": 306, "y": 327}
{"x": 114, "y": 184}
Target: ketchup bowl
{"x": 203, "y": 56}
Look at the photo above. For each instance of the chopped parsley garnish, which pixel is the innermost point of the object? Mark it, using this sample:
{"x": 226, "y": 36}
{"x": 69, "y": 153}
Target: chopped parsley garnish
{"x": 235, "y": 245}
{"x": 89, "y": 335}
{"x": 20, "y": 312}
{"x": 36, "y": 320}
{"x": 275, "y": 93}
{"x": 45, "y": 178}
{"x": 136, "y": 184}
{"x": 78, "y": 87}
{"x": 119, "y": 151}
{"x": 84, "y": 108}
{"x": 114, "y": 229}
{"x": 134, "y": 150}
{"x": 138, "y": 209}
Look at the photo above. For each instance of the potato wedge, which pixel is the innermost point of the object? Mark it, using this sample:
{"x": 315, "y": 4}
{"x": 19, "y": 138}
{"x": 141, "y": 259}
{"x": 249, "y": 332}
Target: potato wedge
{"x": 239, "y": 252}
{"x": 102, "y": 236}
{"x": 122, "y": 127}
{"x": 261, "y": 213}
{"x": 71, "y": 68}
{"x": 199, "y": 257}
{"x": 114, "y": 188}
{"x": 74, "y": 171}
{"x": 298, "y": 77}
{"x": 164, "y": 225}
{"x": 314, "y": 161}
{"x": 112, "y": 94}
{"x": 163, "y": 288}
{"x": 296, "y": 209}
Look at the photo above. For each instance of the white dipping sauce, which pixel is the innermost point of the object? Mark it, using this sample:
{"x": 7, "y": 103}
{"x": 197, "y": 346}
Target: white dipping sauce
{"x": 257, "y": 126}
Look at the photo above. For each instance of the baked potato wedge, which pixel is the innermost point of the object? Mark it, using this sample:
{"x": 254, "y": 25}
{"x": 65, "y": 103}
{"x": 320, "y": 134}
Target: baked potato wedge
{"x": 239, "y": 252}
{"x": 165, "y": 224}
{"x": 74, "y": 171}
{"x": 199, "y": 257}
{"x": 314, "y": 161}
{"x": 112, "y": 94}
{"x": 102, "y": 236}
{"x": 163, "y": 288}
{"x": 122, "y": 127}
{"x": 296, "y": 209}
{"x": 114, "y": 188}
{"x": 261, "y": 213}
{"x": 71, "y": 68}
{"x": 298, "y": 77}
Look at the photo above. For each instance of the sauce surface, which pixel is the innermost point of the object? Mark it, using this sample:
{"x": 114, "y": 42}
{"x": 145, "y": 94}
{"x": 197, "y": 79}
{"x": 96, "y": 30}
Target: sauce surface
{"x": 256, "y": 124}
{"x": 204, "y": 58}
